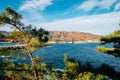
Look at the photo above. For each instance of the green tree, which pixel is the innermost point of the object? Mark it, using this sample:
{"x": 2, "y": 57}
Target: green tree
{"x": 75, "y": 71}
{"x": 2, "y": 35}
{"x": 71, "y": 68}
{"x": 41, "y": 34}
{"x": 113, "y": 39}
{"x": 24, "y": 34}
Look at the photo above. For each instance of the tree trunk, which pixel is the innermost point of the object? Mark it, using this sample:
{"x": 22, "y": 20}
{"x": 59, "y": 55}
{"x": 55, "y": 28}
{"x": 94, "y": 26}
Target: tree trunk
{"x": 33, "y": 66}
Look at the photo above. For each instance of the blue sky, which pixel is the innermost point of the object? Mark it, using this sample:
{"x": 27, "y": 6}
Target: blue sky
{"x": 93, "y": 16}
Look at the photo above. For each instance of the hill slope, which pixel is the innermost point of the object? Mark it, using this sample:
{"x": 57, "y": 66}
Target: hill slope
{"x": 63, "y": 36}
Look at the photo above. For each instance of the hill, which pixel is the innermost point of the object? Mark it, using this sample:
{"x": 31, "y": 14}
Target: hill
{"x": 63, "y": 36}
{"x": 4, "y": 32}
{"x": 67, "y": 37}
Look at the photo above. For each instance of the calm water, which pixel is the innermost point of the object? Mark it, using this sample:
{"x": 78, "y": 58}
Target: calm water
{"x": 83, "y": 52}
{"x": 7, "y": 44}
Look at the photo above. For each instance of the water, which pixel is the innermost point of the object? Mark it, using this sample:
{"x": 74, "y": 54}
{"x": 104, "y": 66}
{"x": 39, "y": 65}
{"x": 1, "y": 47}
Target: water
{"x": 7, "y": 44}
{"x": 14, "y": 58}
{"x": 83, "y": 52}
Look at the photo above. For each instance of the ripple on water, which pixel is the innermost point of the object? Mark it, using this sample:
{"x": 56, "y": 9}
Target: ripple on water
{"x": 81, "y": 52}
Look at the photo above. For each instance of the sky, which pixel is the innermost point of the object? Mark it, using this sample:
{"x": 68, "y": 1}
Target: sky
{"x": 93, "y": 16}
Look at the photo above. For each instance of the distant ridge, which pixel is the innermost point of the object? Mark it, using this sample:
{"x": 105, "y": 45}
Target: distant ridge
{"x": 4, "y": 32}
{"x": 64, "y": 36}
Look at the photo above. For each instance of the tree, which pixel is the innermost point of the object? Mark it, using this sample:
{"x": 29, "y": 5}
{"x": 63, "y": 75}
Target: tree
{"x": 41, "y": 34}
{"x": 29, "y": 36}
{"x": 76, "y": 70}
{"x": 11, "y": 17}
{"x": 2, "y": 36}
{"x": 71, "y": 67}
{"x": 112, "y": 39}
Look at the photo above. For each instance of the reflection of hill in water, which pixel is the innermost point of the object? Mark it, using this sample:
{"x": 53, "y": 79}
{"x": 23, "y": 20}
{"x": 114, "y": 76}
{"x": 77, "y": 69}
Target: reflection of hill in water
{"x": 83, "y": 52}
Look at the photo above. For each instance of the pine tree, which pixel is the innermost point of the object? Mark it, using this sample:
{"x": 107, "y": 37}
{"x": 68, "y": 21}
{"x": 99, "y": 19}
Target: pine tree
{"x": 27, "y": 35}
{"x": 112, "y": 39}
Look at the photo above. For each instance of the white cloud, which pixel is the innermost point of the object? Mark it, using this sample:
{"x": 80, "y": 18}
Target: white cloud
{"x": 33, "y": 16}
{"x": 106, "y": 4}
{"x": 96, "y": 24}
{"x": 35, "y": 4}
{"x": 31, "y": 10}
{"x": 88, "y": 5}
{"x": 102, "y": 4}
{"x": 117, "y": 6}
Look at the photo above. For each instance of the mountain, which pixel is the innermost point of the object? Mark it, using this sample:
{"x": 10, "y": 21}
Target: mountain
{"x": 4, "y": 32}
{"x": 63, "y": 36}
{"x": 68, "y": 37}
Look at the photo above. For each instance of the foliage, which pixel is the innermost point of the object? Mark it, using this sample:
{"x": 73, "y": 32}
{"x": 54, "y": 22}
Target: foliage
{"x": 31, "y": 37}
{"x": 76, "y": 70}
{"x": 41, "y": 34}
{"x": 71, "y": 67}
{"x": 104, "y": 49}
{"x": 17, "y": 36}
{"x": 113, "y": 38}
{"x": 2, "y": 35}
{"x": 11, "y": 17}
{"x": 91, "y": 76}
{"x": 36, "y": 69}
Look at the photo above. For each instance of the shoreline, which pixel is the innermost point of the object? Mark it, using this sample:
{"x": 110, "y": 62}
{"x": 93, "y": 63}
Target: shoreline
{"x": 76, "y": 42}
